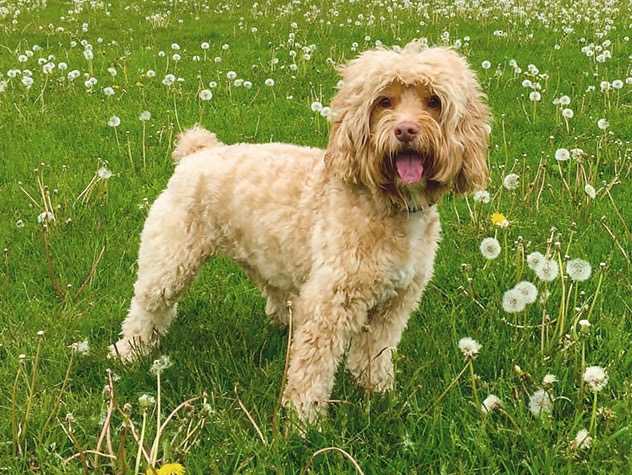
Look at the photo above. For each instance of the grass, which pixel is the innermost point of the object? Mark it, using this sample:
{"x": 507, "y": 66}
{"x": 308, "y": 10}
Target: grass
{"x": 72, "y": 279}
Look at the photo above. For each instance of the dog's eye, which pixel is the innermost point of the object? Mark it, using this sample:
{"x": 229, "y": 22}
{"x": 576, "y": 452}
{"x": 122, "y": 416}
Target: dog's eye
{"x": 434, "y": 102}
{"x": 385, "y": 102}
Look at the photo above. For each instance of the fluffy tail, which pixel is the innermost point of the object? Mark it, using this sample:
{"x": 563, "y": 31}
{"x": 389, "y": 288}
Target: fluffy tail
{"x": 192, "y": 140}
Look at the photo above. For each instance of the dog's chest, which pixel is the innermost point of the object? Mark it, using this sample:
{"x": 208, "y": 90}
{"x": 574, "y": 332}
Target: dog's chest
{"x": 409, "y": 252}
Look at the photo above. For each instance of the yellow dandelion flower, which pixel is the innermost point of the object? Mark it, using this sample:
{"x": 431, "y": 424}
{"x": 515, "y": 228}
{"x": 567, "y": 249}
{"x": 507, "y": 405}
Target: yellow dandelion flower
{"x": 167, "y": 469}
{"x": 499, "y": 219}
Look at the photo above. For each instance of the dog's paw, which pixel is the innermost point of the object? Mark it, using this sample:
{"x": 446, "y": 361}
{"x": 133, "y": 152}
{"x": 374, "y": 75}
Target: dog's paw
{"x": 127, "y": 349}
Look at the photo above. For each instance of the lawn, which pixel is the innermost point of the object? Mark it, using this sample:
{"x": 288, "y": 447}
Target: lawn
{"x": 92, "y": 95}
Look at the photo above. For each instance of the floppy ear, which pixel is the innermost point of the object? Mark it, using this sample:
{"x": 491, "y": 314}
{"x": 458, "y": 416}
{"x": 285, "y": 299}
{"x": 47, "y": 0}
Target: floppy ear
{"x": 340, "y": 156}
{"x": 349, "y": 135}
{"x": 472, "y": 131}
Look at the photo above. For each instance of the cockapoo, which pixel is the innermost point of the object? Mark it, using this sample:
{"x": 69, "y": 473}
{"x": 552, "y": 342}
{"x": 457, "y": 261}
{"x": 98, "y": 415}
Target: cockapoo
{"x": 348, "y": 234}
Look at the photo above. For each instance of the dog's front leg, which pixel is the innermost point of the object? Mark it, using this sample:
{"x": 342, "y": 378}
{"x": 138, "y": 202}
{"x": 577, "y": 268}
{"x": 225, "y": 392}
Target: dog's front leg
{"x": 370, "y": 354}
{"x": 322, "y": 330}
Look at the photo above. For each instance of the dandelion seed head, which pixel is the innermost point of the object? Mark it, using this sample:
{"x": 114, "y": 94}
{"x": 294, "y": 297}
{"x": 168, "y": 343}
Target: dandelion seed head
{"x": 491, "y": 403}
{"x": 490, "y": 248}
{"x": 510, "y": 182}
{"x": 540, "y": 403}
{"x": 562, "y": 154}
{"x": 513, "y": 301}
{"x": 596, "y": 378}
{"x": 146, "y": 401}
{"x": 114, "y": 121}
{"x": 578, "y": 270}
{"x": 81, "y": 347}
{"x": 528, "y": 291}
{"x": 549, "y": 380}
{"x": 548, "y": 270}
{"x": 104, "y": 173}
{"x": 582, "y": 440}
{"x": 482, "y": 196}
{"x": 469, "y": 347}
{"x": 205, "y": 95}
{"x": 161, "y": 364}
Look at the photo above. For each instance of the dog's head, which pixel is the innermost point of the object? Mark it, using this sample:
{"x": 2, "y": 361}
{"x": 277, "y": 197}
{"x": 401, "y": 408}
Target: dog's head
{"x": 410, "y": 123}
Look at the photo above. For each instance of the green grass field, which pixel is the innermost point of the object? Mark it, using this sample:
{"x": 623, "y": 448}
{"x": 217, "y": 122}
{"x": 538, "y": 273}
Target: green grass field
{"x": 74, "y": 192}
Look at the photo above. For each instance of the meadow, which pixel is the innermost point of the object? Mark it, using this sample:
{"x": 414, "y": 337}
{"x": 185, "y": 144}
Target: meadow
{"x": 494, "y": 375}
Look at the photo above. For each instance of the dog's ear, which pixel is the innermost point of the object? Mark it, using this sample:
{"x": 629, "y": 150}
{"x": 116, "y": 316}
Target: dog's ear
{"x": 340, "y": 157}
{"x": 472, "y": 132}
{"x": 349, "y": 137}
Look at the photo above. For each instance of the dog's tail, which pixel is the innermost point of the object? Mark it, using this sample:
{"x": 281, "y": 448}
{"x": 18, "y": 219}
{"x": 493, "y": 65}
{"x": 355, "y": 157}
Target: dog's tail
{"x": 192, "y": 140}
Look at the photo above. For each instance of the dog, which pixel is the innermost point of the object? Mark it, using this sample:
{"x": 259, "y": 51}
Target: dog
{"x": 348, "y": 234}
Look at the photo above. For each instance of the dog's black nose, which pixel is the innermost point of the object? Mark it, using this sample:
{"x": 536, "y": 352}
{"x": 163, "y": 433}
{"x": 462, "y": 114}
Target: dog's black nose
{"x": 406, "y": 131}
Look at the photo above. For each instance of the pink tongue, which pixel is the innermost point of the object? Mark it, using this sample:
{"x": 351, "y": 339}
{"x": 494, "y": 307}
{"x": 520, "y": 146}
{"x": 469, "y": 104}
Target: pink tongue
{"x": 409, "y": 168}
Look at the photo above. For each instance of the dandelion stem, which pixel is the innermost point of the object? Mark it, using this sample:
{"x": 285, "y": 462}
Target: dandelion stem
{"x": 473, "y": 378}
{"x": 140, "y": 443}
{"x": 154, "y": 447}
{"x": 562, "y": 315}
{"x": 144, "y": 153}
{"x": 593, "y": 418}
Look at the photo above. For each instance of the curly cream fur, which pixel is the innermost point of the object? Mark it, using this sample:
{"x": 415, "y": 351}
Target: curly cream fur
{"x": 328, "y": 230}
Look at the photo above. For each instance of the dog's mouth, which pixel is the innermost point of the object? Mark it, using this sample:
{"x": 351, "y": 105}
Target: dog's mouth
{"x": 410, "y": 166}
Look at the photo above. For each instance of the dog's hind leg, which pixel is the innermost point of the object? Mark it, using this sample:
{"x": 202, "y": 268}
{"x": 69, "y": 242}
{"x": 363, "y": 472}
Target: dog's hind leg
{"x": 173, "y": 246}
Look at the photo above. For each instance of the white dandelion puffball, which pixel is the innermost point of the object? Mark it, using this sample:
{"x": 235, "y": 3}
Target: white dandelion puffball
{"x": 540, "y": 403}
{"x": 316, "y": 106}
{"x": 482, "y": 196}
{"x": 469, "y": 347}
{"x": 562, "y": 154}
{"x": 568, "y": 113}
{"x": 617, "y": 84}
{"x": 486, "y": 64}
{"x": 146, "y": 401}
{"x": 510, "y": 182}
{"x": 535, "y": 260}
{"x": 269, "y": 82}
{"x": 549, "y": 379}
{"x": 582, "y": 440}
{"x": 548, "y": 271}
{"x": 578, "y": 270}
{"x": 577, "y": 153}
{"x": 565, "y": 100}
{"x": 144, "y": 116}
{"x": 603, "y": 124}
{"x": 45, "y": 217}
{"x": 160, "y": 365}
{"x": 535, "y": 96}
{"x": 114, "y": 121}
{"x": 596, "y": 378}
{"x": 104, "y": 173}
{"x": 490, "y": 248}
{"x": 513, "y": 301}
{"x": 528, "y": 291}
{"x": 590, "y": 191}
{"x": 491, "y": 403}
{"x": 584, "y": 325}
{"x": 81, "y": 347}
{"x": 206, "y": 95}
